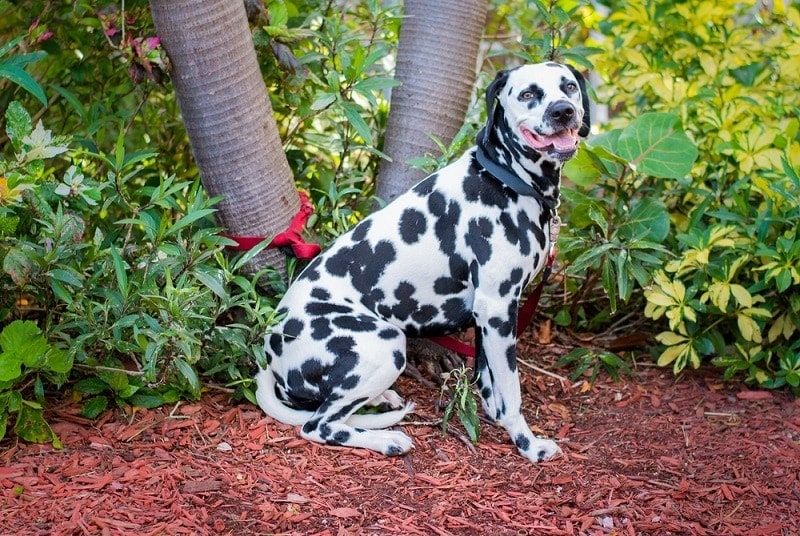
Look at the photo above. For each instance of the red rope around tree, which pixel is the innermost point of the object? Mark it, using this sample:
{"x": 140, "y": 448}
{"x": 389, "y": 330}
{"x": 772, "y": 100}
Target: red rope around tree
{"x": 292, "y": 237}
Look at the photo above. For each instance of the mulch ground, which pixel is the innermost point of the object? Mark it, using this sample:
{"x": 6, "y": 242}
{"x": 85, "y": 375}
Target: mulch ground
{"x": 651, "y": 454}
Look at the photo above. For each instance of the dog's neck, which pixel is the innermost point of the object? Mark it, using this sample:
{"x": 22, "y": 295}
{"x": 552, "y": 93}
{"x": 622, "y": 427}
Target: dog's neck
{"x": 527, "y": 173}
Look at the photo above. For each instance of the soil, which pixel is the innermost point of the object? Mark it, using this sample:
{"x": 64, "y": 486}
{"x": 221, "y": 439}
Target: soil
{"x": 650, "y": 454}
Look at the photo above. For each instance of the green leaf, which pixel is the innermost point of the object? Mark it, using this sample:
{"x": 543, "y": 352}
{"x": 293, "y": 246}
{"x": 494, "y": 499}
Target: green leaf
{"x": 24, "y": 339}
{"x": 585, "y": 169}
{"x": 654, "y": 144}
{"x": 323, "y": 101}
{"x": 32, "y": 427}
{"x": 91, "y": 386}
{"x": 94, "y": 406}
{"x": 190, "y": 375}
{"x": 18, "y": 123}
{"x": 59, "y": 361}
{"x": 67, "y": 276}
{"x": 190, "y": 219}
{"x": 648, "y": 220}
{"x": 23, "y": 80}
{"x": 353, "y": 115}
{"x": 213, "y": 279}
{"x": 119, "y": 270}
{"x": 146, "y": 400}
{"x": 61, "y": 292}
{"x": 375, "y": 83}
{"x": 10, "y": 366}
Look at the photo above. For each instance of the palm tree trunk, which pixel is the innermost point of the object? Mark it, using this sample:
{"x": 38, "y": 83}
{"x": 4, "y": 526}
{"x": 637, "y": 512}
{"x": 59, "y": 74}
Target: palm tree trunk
{"x": 436, "y": 64}
{"x": 228, "y": 116}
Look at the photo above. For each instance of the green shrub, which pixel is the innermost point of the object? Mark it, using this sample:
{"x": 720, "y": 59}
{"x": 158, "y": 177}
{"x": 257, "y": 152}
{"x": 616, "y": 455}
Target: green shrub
{"x": 729, "y": 71}
{"x": 127, "y": 274}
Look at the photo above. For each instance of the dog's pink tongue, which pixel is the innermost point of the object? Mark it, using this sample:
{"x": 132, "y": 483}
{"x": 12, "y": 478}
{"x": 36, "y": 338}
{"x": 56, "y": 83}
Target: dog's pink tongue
{"x": 563, "y": 141}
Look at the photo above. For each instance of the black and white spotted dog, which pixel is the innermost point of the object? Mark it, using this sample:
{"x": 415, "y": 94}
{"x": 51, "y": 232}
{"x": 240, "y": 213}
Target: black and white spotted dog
{"x": 455, "y": 251}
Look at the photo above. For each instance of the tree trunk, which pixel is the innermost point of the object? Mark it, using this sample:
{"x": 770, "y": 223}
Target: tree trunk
{"x": 436, "y": 64}
{"x": 228, "y": 116}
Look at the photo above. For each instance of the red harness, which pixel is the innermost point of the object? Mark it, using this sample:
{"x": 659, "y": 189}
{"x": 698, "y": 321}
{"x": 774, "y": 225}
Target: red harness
{"x": 293, "y": 238}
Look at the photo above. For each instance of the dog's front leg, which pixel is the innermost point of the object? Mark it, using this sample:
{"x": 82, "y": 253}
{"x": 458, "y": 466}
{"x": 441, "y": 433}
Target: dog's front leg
{"x": 498, "y": 379}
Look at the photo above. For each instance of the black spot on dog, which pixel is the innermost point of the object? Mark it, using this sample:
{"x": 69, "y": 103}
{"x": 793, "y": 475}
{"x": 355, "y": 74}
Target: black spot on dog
{"x": 325, "y": 309}
{"x": 502, "y": 326}
{"x": 511, "y": 357}
{"x": 339, "y": 438}
{"x": 448, "y": 285}
{"x": 276, "y": 343}
{"x": 399, "y": 360}
{"x": 424, "y": 314}
{"x": 347, "y": 409}
{"x": 312, "y": 270}
{"x": 456, "y": 312}
{"x": 426, "y": 186}
{"x": 482, "y": 187}
{"x": 406, "y": 304}
{"x": 310, "y": 426}
{"x": 388, "y": 334}
{"x": 522, "y": 442}
{"x": 360, "y": 323}
{"x": 412, "y": 225}
{"x": 474, "y": 271}
{"x": 339, "y": 263}
{"x": 320, "y": 294}
{"x": 368, "y": 264}
{"x": 394, "y": 451}
{"x": 447, "y": 216}
{"x": 371, "y": 299}
{"x": 293, "y": 327}
{"x": 320, "y": 328}
{"x": 361, "y": 230}
{"x": 478, "y": 233}
{"x": 514, "y": 278}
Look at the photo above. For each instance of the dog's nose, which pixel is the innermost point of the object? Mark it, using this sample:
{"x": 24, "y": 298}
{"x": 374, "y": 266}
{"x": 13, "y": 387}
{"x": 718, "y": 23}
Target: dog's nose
{"x": 562, "y": 112}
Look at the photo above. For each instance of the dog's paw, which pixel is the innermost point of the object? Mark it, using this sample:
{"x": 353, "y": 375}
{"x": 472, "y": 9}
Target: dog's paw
{"x": 537, "y": 449}
{"x": 388, "y": 398}
{"x": 392, "y": 443}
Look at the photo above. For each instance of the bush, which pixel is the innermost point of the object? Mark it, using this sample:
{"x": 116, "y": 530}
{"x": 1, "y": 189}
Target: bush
{"x": 732, "y": 289}
{"x": 127, "y": 280}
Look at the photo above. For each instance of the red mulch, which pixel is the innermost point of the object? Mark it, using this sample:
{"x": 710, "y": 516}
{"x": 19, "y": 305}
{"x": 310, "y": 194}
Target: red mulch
{"x": 651, "y": 454}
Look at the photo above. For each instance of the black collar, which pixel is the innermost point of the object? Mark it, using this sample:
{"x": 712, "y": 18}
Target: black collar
{"x": 512, "y": 181}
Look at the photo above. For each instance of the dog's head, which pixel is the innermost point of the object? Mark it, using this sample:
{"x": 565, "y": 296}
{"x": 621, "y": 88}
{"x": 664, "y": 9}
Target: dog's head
{"x": 535, "y": 112}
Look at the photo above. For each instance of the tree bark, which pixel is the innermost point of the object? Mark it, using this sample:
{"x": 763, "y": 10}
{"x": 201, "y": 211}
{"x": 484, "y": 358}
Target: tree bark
{"x": 228, "y": 117}
{"x": 436, "y": 64}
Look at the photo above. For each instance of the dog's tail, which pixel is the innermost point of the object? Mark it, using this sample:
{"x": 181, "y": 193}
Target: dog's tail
{"x": 272, "y": 406}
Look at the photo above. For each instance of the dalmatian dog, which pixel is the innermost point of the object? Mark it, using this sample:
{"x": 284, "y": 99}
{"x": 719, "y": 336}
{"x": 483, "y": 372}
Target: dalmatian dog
{"x": 455, "y": 251}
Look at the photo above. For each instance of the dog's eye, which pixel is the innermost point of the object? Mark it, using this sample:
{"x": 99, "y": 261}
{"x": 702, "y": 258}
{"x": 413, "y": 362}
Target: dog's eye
{"x": 572, "y": 86}
{"x": 526, "y": 95}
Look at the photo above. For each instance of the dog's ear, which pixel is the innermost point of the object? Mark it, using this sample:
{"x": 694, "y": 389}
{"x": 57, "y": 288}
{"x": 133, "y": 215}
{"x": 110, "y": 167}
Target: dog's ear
{"x": 587, "y": 122}
{"x": 492, "y": 92}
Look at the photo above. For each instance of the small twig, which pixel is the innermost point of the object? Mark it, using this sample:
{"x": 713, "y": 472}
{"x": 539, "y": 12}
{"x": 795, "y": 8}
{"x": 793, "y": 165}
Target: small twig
{"x": 108, "y": 369}
{"x": 560, "y": 378}
{"x": 422, "y": 423}
{"x": 464, "y": 439}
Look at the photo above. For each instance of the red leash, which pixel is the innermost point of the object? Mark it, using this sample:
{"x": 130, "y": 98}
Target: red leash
{"x": 291, "y": 237}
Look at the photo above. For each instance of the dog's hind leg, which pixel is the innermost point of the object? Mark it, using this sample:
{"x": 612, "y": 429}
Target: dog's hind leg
{"x": 368, "y": 383}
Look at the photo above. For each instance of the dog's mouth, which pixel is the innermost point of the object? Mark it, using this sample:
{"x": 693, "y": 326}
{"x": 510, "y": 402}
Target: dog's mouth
{"x": 562, "y": 145}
